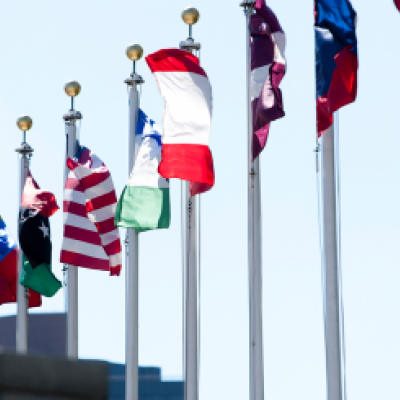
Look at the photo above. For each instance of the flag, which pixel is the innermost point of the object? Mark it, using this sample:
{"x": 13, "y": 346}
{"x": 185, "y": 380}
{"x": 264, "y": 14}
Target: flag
{"x": 34, "y": 237}
{"x": 268, "y": 66}
{"x": 335, "y": 57}
{"x": 187, "y": 118}
{"x": 144, "y": 203}
{"x": 9, "y": 270}
{"x": 90, "y": 238}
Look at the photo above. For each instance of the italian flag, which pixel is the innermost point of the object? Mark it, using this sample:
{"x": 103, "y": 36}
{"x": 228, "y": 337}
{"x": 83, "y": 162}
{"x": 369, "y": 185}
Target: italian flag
{"x": 187, "y": 118}
{"x": 144, "y": 203}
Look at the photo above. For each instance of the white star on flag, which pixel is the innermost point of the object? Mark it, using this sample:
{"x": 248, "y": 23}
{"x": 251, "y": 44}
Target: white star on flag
{"x": 44, "y": 229}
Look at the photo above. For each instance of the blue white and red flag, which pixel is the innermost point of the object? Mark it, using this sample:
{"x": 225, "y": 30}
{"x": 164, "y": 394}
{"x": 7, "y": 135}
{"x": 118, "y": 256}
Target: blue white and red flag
{"x": 9, "y": 270}
{"x": 336, "y": 58}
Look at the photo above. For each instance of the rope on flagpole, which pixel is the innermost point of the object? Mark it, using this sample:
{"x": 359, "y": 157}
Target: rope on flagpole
{"x": 339, "y": 241}
{"x": 317, "y": 152}
{"x": 183, "y": 275}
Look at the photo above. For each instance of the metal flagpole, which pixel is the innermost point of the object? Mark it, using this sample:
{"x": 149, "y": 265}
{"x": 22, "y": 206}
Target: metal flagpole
{"x": 134, "y": 53}
{"x": 256, "y": 352}
{"x": 24, "y": 124}
{"x": 72, "y": 89}
{"x": 334, "y": 340}
{"x": 191, "y": 291}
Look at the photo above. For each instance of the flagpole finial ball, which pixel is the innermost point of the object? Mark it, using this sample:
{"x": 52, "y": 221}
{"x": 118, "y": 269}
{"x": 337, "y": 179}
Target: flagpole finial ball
{"x": 190, "y": 15}
{"x": 24, "y": 122}
{"x": 134, "y": 52}
{"x": 72, "y": 88}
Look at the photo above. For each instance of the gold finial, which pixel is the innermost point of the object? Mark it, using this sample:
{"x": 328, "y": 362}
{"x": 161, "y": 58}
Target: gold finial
{"x": 72, "y": 88}
{"x": 190, "y": 15}
{"x": 134, "y": 52}
{"x": 24, "y": 123}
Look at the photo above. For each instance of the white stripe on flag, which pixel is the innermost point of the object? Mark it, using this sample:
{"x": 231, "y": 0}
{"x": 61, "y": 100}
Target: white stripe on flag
{"x": 187, "y": 116}
{"x": 83, "y": 171}
{"x": 77, "y": 246}
{"x": 115, "y": 260}
{"x": 279, "y": 40}
{"x": 109, "y": 237}
{"x": 102, "y": 214}
{"x": 257, "y": 80}
{"x": 74, "y": 196}
{"x": 101, "y": 189}
{"x": 79, "y": 222}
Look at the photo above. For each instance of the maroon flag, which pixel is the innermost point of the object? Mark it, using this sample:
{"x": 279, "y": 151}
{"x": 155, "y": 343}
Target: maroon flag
{"x": 268, "y": 66}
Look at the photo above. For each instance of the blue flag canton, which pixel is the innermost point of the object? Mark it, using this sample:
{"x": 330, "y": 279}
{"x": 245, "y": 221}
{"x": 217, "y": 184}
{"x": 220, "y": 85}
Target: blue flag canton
{"x": 79, "y": 151}
{"x": 335, "y": 29}
{"x": 146, "y": 127}
{"x": 7, "y": 243}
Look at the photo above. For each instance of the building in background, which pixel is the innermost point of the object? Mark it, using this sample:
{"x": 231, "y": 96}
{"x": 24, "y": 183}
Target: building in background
{"x": 47, "y": 335}
{"x": 151, "y": 387}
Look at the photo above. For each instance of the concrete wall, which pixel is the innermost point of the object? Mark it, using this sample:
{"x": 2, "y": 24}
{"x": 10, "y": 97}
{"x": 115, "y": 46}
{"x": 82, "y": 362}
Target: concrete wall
{"x": 39, "y": 377}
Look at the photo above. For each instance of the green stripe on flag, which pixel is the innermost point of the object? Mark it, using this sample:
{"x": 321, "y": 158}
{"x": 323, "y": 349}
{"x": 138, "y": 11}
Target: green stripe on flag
{"x": 39, "y": 279}
{"x": 143, "y": 208}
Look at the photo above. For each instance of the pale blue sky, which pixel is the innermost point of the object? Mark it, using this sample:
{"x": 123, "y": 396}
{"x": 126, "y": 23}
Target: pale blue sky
{"x": 46, "y": 43}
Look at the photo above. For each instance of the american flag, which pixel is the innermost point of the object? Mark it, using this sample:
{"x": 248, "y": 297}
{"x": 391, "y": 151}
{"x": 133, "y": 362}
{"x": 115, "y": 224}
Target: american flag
{"x": 90, "y": 238}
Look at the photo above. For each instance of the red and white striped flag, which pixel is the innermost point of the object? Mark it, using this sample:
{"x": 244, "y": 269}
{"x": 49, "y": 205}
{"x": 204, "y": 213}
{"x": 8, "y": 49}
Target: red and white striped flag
{"x": 90, "y": 238}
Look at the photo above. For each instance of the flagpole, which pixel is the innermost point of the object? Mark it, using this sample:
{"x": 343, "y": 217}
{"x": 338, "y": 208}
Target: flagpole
{"x": 24, "y": 123}
{"x": 256, "y": 355}
{"x": 191, "y": 289}
{"x": 334, "y": 340}
{"x": 134, "y": 52}
{"x": 72, "y": 89}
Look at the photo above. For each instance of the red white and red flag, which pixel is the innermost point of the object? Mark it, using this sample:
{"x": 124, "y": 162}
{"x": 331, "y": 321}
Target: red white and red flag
{"x": 90, "y": 238}
{"x": 187, "y": 118}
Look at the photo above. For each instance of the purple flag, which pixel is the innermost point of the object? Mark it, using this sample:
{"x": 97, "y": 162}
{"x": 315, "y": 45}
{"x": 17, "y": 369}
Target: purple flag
{"x": 268, "y": 66}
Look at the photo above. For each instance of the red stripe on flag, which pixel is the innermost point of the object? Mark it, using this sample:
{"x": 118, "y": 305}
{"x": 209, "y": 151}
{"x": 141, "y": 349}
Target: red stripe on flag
{"x": 94, "y": 179}
{"x": 80, "y": 260}
{"x": 105, "y": 226}
{"x": 101, "y": 201}
{"x": 342, "y": 91}
{"x": 189, "y": 162}
{"x": 113, "y": 248}
{"x": 8, "y": 281}
{"x": 115, "y": 271}
{"x": 6, "y": 294}
{"x": 174, "y": 60}
{"x": 35, "y": 299}
{"x": 9, "y": 266}
{"x": 82, "y": 235}
{"x": 74, "y": 208}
